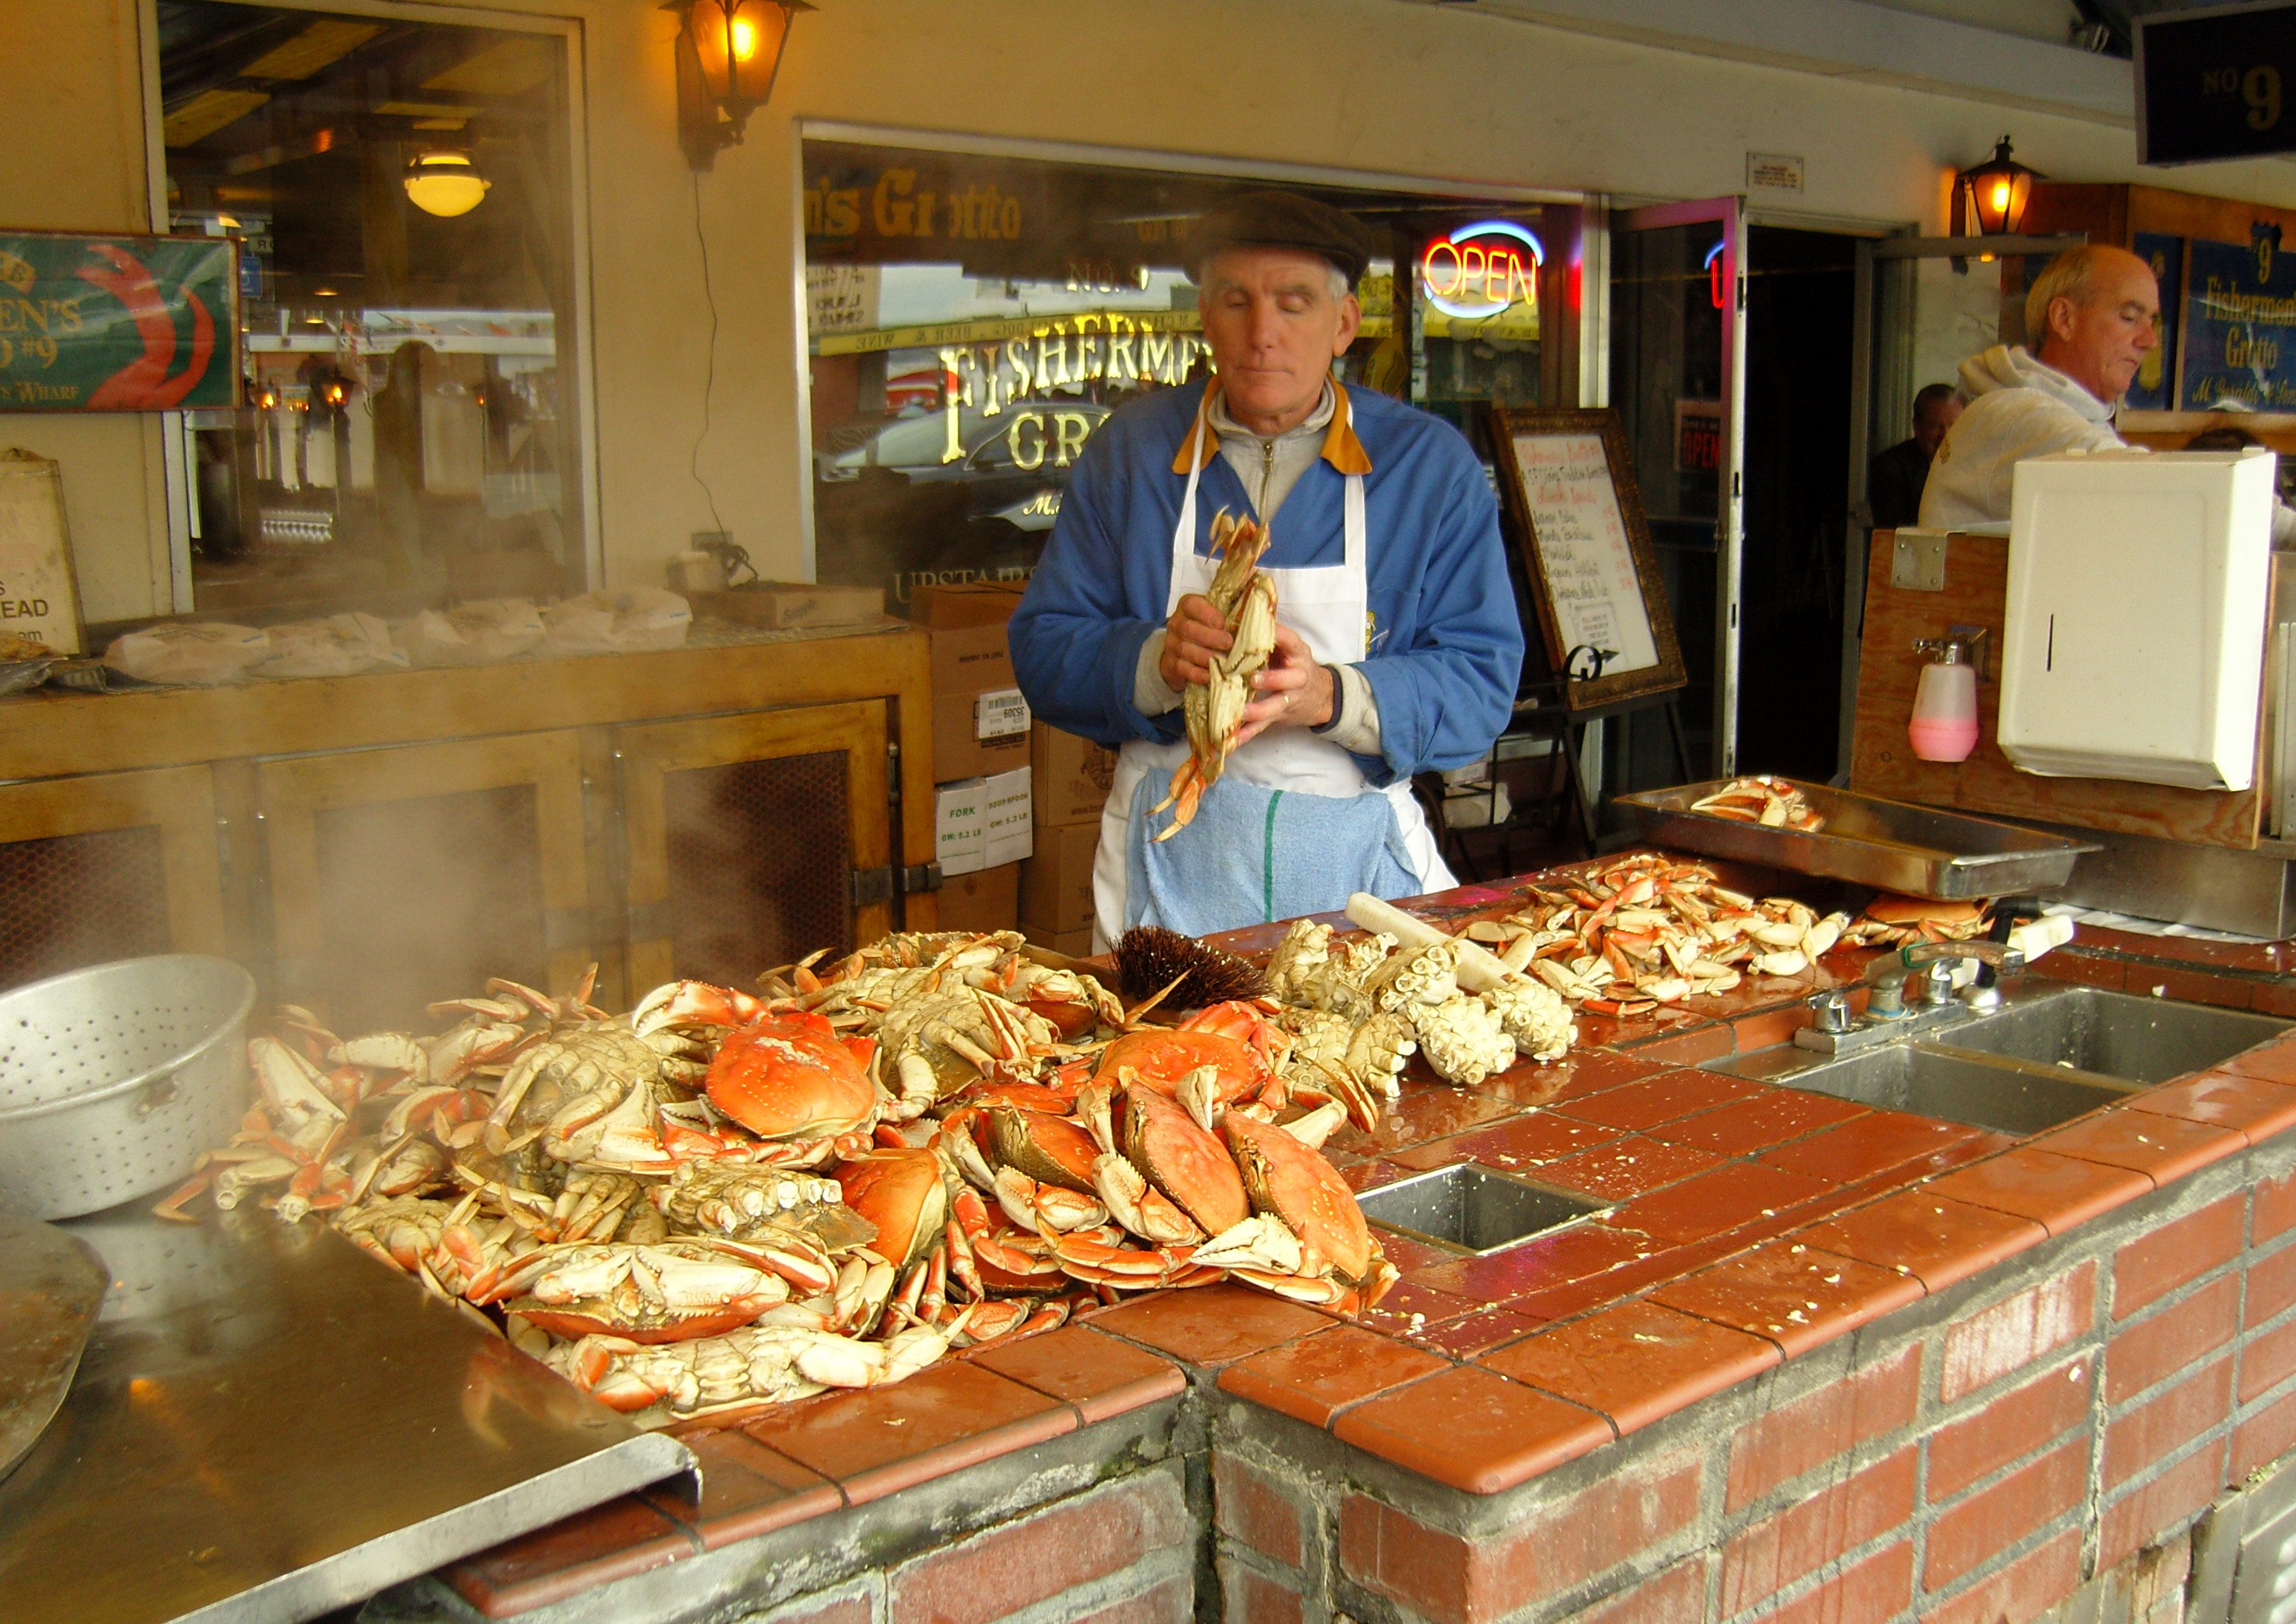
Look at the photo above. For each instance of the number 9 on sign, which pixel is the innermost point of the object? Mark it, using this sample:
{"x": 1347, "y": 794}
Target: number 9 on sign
{"x": 2259, "y": 88}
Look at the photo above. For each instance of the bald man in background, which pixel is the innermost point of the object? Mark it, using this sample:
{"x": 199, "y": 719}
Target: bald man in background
{"x": 2093, "y": 312}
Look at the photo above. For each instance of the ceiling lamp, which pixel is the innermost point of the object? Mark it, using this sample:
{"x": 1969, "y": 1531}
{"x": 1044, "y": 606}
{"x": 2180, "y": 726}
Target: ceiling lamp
{"x": 1995, "y": 192}
{"x": 445, "y": 182}
{"x": 728, "y": 52}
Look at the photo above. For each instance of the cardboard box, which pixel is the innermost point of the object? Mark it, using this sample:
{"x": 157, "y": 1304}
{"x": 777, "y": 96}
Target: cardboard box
{"x": 966, "y": 603}
{"x": 1010, "y": 823}
{"x": 1076, "y": 944}
{"x": 1056, "y": 882}
{"x": 784, "y": 603}
{"x": 961, "y": 826}
{"x": 1072, "y": 776}
{"x": 986, "y": 899}
{"x": 980, "y": 722}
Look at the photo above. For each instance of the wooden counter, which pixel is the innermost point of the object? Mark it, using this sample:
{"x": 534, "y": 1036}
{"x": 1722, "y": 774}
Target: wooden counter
{"x": 373, "y": 842}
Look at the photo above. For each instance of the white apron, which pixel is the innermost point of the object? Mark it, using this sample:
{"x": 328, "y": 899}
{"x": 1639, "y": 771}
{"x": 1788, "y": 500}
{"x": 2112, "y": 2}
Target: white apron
{"x": 1330, "y": 608}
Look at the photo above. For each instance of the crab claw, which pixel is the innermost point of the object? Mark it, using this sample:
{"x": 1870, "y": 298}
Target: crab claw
{"x": 693, "y": 1004}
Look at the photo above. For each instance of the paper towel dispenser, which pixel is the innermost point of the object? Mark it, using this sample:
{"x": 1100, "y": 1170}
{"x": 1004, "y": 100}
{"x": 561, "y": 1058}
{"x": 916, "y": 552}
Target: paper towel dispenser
{"x": 2133, "y": 646}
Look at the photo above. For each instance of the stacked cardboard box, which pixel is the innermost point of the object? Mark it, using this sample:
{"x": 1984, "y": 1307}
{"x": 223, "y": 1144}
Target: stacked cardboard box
{"x": 1072, "y": 783}
{"x": 982, "y": 821}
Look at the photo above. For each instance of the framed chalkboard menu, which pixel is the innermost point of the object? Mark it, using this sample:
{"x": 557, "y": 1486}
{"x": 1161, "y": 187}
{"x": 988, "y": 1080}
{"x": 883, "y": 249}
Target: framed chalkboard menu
{"x": 1567, "y": 482}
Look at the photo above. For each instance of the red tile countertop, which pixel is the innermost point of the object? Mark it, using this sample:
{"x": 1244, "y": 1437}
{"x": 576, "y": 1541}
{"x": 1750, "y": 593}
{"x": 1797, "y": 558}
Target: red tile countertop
{"x": 1748, "y": 1224}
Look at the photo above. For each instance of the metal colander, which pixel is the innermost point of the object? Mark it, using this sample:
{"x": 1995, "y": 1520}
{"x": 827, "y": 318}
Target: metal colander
{"x": 113, "y": 1079}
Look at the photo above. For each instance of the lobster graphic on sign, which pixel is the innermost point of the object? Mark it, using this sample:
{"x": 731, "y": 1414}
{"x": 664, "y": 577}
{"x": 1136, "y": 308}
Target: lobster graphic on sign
{"x": 144, "y": 384}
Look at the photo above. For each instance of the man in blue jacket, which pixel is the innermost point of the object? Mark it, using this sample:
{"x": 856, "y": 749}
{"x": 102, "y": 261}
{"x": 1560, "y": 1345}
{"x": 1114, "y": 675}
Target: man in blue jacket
{"x": 1397, "y": 645}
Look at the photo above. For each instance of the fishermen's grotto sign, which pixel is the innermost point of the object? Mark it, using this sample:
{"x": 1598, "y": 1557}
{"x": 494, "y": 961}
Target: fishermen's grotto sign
{"x": 122, "y": 323}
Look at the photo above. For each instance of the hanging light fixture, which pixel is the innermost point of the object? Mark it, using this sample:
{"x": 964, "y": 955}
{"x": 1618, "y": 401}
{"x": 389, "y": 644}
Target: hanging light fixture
{"x": 446, "y": 181}
{"x": 1993, "y": 194}
{"x": 728, "y": 52}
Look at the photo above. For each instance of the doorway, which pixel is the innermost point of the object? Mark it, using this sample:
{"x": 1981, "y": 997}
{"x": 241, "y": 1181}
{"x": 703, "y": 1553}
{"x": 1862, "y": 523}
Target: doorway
{"x": 1800, "y": 333}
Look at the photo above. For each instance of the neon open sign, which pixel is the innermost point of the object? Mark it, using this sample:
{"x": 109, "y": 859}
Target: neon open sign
{"x": 1481, "y": 270}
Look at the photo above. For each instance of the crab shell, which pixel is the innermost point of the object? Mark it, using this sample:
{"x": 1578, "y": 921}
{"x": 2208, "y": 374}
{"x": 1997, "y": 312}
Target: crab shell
{"x": 1159, "y": 1059}
{"x": 1049, "y": 1149}
{"x": 1294, "y": 1183}
{"x": 787, "y": 1074}
{"x": 1188, "y": 1164}
{"x": 901, "y": 1192}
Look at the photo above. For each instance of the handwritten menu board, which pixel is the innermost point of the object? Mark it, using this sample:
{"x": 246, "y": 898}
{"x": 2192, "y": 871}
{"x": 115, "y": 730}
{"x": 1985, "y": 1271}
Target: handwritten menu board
{"x": 1570, "y": 485}
{"x": 1582, "y": 548}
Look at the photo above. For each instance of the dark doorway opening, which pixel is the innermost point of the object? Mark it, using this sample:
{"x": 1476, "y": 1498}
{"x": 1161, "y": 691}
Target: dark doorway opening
{"x": 1800, "y": 301}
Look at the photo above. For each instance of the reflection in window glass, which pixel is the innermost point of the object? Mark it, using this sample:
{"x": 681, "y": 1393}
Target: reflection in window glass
{"x": 974, "y": 320}
{"x": 401, "y": 193}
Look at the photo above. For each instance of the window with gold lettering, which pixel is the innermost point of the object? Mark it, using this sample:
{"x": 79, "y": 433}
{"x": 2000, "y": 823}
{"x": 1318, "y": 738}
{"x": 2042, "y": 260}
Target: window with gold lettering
{"x": 974, "y": 319}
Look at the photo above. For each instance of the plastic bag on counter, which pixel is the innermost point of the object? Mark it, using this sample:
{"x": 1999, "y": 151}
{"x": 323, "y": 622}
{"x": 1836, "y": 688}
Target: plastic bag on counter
{"x": 340, "y": 645}
{"x": 178, "y": 652}
{"x": 475, "y": 634}
{"x": 629, "y": 621}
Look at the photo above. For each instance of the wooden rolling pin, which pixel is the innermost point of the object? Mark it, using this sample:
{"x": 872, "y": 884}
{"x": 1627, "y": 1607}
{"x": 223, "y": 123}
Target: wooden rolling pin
{"x": 1480, "y": 969}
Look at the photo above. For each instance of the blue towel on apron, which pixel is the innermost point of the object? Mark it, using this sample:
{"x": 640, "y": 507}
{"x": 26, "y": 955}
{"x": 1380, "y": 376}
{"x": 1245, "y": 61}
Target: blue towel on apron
{"x": 1251, "y": 855}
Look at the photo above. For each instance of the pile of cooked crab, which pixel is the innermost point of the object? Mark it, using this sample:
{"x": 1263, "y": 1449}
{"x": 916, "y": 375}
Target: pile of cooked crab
{"x": 723, "y": 1198}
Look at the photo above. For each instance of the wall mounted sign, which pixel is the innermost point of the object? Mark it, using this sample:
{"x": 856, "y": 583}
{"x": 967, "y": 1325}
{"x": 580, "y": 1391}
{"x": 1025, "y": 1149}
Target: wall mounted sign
{"x": 1774, "y": 171}
{"x": 124, "y": 323}
{"x": 1567, "y": 478}
{"x": 2216, "y": 83}
{"x": 2155, "y": 387}
{"x": 2239, "y": 338}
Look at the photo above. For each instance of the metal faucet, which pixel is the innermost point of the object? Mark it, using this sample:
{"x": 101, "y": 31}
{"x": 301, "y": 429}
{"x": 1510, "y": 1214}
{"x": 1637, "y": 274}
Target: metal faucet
{"x": 1886, "y": 972}
{"x": 1834, "y": 1031}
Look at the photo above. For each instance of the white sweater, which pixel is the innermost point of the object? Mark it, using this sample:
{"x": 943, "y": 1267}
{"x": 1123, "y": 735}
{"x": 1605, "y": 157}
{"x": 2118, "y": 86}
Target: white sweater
{"x": 2020, "y": 407}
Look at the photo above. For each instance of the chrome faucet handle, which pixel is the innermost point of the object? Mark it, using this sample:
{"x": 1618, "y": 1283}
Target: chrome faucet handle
{"x": 1833, "y": 1009}
{"x": 1937, "y": 983}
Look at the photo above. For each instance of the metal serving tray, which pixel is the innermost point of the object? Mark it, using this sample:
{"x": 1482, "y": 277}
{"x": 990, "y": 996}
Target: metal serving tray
{"x": 1918, "y": 851}
{"x": 268, "y": 1425}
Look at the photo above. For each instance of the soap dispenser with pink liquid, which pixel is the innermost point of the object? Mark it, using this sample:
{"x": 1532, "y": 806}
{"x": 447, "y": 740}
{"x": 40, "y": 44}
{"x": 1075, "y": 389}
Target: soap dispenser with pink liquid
{"x": 1944, "y": 725}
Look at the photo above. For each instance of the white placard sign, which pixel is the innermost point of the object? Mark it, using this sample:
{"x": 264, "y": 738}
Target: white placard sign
{"x": 1583, "y": 549}
{"x": 38, "y": 597}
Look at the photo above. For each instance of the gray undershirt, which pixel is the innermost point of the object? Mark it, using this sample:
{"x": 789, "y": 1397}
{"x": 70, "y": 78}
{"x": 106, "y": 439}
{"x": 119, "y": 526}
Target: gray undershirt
{"x": 1267, "y": 470}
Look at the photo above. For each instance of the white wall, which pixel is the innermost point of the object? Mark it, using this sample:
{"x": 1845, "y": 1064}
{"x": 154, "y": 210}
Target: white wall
{"x": 1368, "y": 85}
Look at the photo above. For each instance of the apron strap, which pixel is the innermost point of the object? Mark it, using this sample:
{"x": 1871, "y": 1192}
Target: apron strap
{"x": 1184, "y": 534}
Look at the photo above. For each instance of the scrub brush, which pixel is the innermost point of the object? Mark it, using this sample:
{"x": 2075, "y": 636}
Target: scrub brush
{"x": 1149, "y": 958}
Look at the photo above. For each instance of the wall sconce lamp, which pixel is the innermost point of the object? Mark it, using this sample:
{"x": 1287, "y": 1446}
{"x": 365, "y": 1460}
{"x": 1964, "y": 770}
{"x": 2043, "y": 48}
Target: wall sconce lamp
{"x": 728, "y": 52}
{"x": 1993, "y": 194}
{"x": 446, "y": 181}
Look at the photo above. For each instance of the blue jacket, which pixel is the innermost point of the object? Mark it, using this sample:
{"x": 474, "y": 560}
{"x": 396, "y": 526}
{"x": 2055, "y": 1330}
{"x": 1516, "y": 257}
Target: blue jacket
{"x": 1445, "y": 642}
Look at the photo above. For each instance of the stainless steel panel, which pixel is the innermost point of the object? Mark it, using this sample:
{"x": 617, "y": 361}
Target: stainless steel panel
{"x": 2210, "y": 888}
{"x": 1917, "y": 562}
{"x": 2114, "y": 1034}
{"x": 1471, "y": 1208}
{"x": 268, "y": 1425}
{"x": 1917, "y": 850}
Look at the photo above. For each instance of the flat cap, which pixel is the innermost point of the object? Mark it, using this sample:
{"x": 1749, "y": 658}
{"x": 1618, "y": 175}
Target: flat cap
{"x": 1281, "y": 219}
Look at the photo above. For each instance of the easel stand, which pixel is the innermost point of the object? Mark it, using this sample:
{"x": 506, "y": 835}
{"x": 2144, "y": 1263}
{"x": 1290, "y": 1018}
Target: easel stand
{"x": 1568, "y": 728}
{"x": 1542, "y": 715}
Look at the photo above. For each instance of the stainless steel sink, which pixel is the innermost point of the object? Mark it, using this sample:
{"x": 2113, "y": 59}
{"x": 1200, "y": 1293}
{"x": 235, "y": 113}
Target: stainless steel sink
{"x": 1469, "y": 1209}
{"x": 2112, "y": 1034}
{"x": 2048, "y": 1054}
{"x": 1980, "y": 1091}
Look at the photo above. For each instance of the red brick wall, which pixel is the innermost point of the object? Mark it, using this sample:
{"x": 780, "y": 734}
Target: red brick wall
{"x": 2051, "y": 1426}
{"x": 1123, "y": 1553}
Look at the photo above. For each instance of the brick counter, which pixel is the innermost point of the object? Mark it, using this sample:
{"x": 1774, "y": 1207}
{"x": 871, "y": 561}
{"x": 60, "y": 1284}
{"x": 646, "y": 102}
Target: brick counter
{"x": 1814, "y": 1362}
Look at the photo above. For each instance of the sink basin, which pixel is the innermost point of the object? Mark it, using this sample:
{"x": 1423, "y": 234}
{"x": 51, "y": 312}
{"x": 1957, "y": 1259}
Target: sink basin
{"x": 1469, "y": 1209}
{"x": 2114, "y": 1034}
{"x": 1978, "y": 1091}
